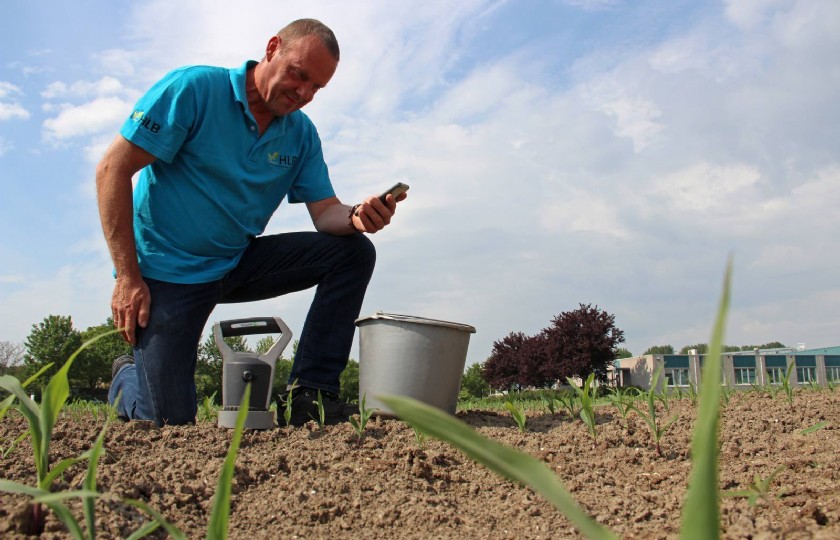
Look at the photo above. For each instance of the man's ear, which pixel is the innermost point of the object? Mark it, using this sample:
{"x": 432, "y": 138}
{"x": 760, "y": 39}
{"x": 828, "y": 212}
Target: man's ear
{"x": 272, "y": 47}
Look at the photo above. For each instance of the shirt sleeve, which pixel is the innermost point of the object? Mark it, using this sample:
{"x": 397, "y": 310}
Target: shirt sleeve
{"x": 162, "y": 118}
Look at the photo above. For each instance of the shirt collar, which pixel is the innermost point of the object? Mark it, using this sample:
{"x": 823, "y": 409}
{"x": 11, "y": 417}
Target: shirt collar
{"x": 238, "y": 77}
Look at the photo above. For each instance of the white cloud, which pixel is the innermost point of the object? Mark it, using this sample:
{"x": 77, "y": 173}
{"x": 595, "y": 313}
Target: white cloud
{"x": 5, "y": 146}
{"x": 9, "y": 106}
{"x": 12, "y": 110}
{"x": 94, "y": 117}
{"x": 106, "y": 86}
{"x": 8, "y": 89}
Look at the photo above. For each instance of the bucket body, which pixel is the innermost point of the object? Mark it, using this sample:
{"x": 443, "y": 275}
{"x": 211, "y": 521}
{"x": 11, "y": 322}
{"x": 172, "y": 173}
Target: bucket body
{"x": 411, "y": 356}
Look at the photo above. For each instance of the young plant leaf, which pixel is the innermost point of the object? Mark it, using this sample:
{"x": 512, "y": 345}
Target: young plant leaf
{"x": 701, "y": 512}
{"x": 220, "y": 515}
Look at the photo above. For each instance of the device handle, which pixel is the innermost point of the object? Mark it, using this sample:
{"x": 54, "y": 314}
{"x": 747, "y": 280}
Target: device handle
{"x": 249, "y": 326}
{"x": 253, "y": 325}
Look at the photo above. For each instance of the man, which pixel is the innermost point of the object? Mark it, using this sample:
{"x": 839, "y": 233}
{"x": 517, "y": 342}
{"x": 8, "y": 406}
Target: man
{"x": 217, "y": 150}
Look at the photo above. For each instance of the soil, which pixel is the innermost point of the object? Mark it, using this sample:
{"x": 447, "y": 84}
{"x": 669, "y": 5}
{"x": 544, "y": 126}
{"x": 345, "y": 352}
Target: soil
{"x": 313, "y": 483}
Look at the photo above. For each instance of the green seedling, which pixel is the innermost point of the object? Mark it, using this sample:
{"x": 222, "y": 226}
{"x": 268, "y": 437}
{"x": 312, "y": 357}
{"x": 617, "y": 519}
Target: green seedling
{"x": 657, "y": 429}
{"x": 364, "y": 415}
{"x": 419, "y": 438}
{"x": 550, "y": 403}
{"x": 208, "y": 408}
{"x": 726, "y": 392}
{"x": 517, "y": 414}
{"x": 692, "y": 392}
{"x": 622, "y": 399}
{"x": 816, "y": 427}
{"x": 664, "y": 397}
{"x": 787, "y": 387}
{"x": 319, "y": 403}
{"x": 287, "y": 410}
{"x": 570, "y": 403}
{"x": 587, "y": 404}
{"x": 759, "y": 489}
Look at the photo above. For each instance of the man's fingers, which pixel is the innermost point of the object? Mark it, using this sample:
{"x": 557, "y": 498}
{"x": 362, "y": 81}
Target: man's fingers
{"x": 143, "y": 314}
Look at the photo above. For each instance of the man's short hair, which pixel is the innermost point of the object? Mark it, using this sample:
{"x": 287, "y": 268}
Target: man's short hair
{"x": 311, "y": 27}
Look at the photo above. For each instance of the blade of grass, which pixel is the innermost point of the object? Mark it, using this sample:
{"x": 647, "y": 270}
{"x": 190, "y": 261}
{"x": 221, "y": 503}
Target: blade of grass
{"x": 511, "y": 464}
{"x": 89, "y": 484}
{"x": 219, "y": 516}
{"x": 701, "y": 513}
{"x": 816, "y": 427}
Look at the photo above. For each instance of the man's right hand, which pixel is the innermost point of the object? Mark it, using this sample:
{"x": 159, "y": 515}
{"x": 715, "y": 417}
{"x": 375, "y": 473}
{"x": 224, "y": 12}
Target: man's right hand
{"x": 130, "y": 306}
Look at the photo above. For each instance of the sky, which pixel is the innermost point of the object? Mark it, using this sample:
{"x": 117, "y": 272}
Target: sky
{"x": 560, "y": 152}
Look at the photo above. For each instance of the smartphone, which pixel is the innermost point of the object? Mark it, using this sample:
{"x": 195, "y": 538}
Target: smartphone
{"x": 396, "y": 190}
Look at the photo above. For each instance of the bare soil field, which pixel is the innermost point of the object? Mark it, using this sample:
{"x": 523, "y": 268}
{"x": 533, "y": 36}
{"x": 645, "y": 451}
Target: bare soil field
{"x": 313, "y": 483}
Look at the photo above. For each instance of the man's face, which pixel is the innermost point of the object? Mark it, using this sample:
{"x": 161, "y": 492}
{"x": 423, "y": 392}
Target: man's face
{"x": 294, "y": 72}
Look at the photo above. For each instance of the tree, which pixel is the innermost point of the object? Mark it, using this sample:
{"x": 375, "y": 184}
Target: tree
{"x": 11, "y": 357}
{"x": 473, "y": 383}
{"x": 659, "y": 349}
{"x": 621, "y": 352}
{"x": 52, "y": 340}
{"x": 771, "y": 345}
{"x": 701, "y": 348}
{"x": 581, "y": 342}
{"x": 93, "y": 366}
{"x": 502, "y": 368}
{"x": 349, "y": 380}
{"x": 208, "y": 369}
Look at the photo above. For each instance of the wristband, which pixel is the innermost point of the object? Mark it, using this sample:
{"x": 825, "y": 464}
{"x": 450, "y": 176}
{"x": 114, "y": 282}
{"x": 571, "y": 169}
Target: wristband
{"x": 352, "y": 213}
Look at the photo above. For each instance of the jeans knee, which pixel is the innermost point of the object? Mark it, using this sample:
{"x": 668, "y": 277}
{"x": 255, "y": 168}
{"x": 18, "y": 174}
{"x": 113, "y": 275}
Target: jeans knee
{"x": 363, "y": 251}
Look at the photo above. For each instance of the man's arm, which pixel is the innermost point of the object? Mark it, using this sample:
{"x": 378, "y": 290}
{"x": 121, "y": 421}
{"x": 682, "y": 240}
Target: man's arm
{"x": 131, "y": 298}
{"x": 372, "y": 215}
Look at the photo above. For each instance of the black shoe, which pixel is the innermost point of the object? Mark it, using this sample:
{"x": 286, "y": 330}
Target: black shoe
{"x": 305, "y": 407}
{"x": 120, "y": 363}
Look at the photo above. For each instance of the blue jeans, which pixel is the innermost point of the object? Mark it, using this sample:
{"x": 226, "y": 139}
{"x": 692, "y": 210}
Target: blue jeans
{"x": 160, "y": 386}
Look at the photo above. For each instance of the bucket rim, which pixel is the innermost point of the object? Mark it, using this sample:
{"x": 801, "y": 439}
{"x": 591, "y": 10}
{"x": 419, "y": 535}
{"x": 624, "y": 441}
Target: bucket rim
{"x": 379, "y": 315}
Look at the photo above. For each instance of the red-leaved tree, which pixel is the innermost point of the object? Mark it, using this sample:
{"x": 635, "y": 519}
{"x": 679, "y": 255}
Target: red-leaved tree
{"x": 581, "y": 342}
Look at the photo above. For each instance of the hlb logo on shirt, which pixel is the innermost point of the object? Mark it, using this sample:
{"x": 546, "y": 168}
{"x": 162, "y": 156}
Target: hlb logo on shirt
{"x": 274, "y": 158}
{"x": 146, "y": 122}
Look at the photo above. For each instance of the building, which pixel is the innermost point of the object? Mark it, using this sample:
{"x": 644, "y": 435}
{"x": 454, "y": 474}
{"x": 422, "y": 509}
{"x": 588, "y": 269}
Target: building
{"x": 741, "y": 370}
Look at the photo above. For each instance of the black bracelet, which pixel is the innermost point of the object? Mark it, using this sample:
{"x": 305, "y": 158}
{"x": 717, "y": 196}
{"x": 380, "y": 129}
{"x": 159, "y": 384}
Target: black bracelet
{"x": 352, "y": 213}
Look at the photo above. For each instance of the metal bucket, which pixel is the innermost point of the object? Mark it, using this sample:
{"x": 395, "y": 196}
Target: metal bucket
{"x": 411, "y": 356}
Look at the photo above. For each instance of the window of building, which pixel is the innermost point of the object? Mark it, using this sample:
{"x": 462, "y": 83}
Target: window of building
{"x": 775, "y": 375}
{"x": 805, "y": 375}
{"x": 744, "y": 375}
{"x": 676, "y": 376}
{"x": 833, "y": 373}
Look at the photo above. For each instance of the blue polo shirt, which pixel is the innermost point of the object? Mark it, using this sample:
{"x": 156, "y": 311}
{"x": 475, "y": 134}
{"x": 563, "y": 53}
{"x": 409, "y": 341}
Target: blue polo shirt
{"x": 216, "y": 182}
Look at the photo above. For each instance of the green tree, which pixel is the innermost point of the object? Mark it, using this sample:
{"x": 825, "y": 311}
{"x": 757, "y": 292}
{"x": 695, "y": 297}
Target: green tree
{"x": 621, "y": 352}
{"x": 93, "y": 366}
{"x": 52, "y": 340}
{"x": 350, "y": 382}
{"x": 659, "y": 349}
{"x": 701, "y": 348}
{"x": 771, "y": 345}
{"x": 473, "y": 383}
{"x": 208, "y": 369}
{"x": 264, "y": 344}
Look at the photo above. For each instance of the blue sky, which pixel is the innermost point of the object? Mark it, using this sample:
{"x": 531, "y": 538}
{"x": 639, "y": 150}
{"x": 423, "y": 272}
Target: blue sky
{"x": 559, "y": 152}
